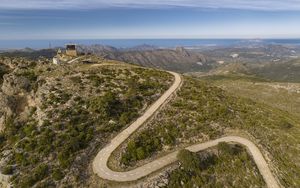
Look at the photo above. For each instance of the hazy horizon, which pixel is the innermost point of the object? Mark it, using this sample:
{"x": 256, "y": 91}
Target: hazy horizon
{"x": 129, "y": 43}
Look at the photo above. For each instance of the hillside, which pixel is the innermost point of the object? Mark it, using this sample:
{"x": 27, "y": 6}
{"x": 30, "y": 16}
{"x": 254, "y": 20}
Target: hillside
{"x": 282, "y": 95}
{"x": 179, "y": 59}
{"x": 54, "y": 118}
{"x": 284, "y": 72}
{"x": 257, "y": 52}
{"x": 288, "y": 72}
{"x": 202, "y": 112}
{"x": 29, "y": 53}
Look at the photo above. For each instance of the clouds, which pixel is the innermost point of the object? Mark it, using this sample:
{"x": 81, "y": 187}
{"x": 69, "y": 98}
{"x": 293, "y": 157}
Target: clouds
{"x": 267, "y": 5}
{"x": 147, "y": 23}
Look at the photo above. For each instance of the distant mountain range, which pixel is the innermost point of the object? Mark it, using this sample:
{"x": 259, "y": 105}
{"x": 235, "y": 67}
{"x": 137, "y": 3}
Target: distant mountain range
{"x": 161, "y": 43}
{"x": 180, "y": 59}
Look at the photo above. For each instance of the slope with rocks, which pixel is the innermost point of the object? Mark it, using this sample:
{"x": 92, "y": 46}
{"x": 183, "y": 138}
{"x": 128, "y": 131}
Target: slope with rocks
{"x": 55, "y": 117}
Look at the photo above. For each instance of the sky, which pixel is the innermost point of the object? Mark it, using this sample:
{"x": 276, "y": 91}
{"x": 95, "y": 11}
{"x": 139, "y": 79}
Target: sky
{"x": 131, "y": 19}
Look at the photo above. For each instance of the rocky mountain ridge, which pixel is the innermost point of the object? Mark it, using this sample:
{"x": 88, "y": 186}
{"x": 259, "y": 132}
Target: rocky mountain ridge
{"x": 179, "y": 59}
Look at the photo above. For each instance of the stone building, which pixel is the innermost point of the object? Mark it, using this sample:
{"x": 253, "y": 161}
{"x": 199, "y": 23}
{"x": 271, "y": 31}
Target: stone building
{"x": 71, "y": 50}
{"x": 66, "y": 56}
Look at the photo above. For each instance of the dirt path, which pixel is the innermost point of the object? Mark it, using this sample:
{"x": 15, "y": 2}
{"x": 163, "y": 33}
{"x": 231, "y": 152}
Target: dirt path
{"x": 73, "y": 60}
{"x": 100, "y": 162}
{"x": 5, "y": 181}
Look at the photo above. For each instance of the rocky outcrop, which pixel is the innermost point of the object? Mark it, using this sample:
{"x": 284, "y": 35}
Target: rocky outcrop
{"x": 13, "y": 85}
{"x": 7, "y": 62}
{"x": 158, "y": 181}
{"x": 15, "y": 89}
{"x": 7, "y": 104}
{"x": 182, "y": 51}
{"x": 5, "y": 179}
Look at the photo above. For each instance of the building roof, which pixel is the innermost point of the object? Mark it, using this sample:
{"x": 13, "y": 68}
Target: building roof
{"x": 70, "y": 44}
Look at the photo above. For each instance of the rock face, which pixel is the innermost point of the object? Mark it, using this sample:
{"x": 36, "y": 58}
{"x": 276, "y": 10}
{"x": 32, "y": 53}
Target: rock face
{"x": 13, "y": 85}
{"x": 7, "y": 104}
{"x": 182, "y": 51}
{"x": 158, "y": 181}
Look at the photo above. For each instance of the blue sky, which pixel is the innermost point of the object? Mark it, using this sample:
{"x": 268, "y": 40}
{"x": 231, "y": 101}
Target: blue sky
{"x": 100, "y": 19}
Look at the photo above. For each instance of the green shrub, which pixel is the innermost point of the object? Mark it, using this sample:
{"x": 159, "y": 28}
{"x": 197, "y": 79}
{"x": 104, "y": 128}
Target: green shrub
{"x": 41, "y": 171}
{"x": 189, "y": 160}
{"x": 140, "y": 153}
{"x": 76, "y": 79}
{"x": 57, "y": 174}
{"x": 141, "y": 147}
{"x": 96, "y": 80}
{"x": 229, "y": 149}
{"x": 29, "y": 74}
{"x": 64, "y": 158}
{"x": 285, "y": 125}
{"x": 7, "y": 170}
{"x": 108, "y": 105}
{"x": 2, "y": 138}
{"x": 38, "y": 174}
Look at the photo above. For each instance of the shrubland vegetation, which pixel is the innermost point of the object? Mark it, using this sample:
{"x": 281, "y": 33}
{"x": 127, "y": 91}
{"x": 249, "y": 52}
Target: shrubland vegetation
{"x": 30, "y": 53}
{"x": 287, "y": 71}
{"x": 214, "y": 168}
{"x": 78, "y": 108}
{"x": 282, "y": 72}
{"x": 284, "y": 96}
{"x": 203, "y": 112}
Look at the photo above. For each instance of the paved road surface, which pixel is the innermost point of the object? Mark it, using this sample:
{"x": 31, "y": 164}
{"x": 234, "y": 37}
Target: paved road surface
{"x": 100, "y": 162}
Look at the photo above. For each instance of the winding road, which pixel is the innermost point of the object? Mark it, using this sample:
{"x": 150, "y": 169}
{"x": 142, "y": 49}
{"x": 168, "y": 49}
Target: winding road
{"x": 101, "y": 168}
